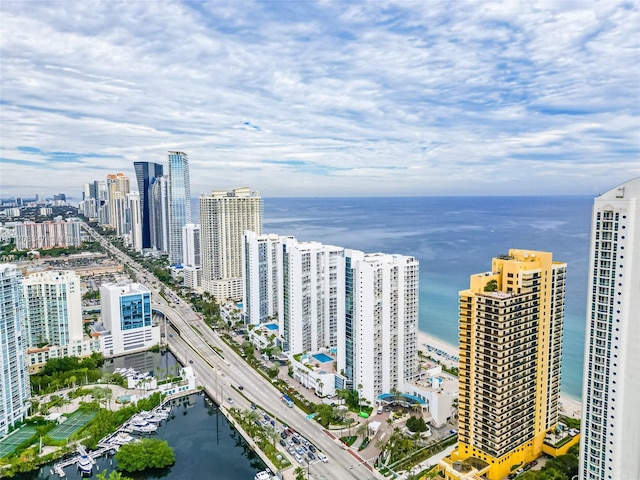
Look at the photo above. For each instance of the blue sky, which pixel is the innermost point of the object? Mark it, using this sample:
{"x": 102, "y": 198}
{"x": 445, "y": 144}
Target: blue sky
{"x": 327, "y": 98}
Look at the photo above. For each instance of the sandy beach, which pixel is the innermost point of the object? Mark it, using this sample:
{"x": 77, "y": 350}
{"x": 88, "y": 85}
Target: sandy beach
{"x": 448, "y": 355}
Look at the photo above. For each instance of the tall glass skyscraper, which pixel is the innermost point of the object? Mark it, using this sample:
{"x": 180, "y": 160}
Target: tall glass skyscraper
{"x": 145, "y": 173}
{"x": 179, "y": 203}
{"x": 14, "y": 371}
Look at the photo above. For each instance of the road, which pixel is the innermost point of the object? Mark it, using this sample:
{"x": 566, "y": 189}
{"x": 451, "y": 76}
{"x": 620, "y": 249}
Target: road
{"x": 222, "y": 376}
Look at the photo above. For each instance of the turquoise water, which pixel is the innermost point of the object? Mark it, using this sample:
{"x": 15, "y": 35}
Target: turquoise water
{"x": 453, "y": 238}
{"x": 271, "y": 326}
{"x": 322, "y": 357}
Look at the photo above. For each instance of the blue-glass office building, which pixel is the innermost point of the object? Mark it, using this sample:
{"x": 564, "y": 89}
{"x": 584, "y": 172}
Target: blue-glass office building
{"x": 179, "y": 203}
{"x": 146, "y": 172}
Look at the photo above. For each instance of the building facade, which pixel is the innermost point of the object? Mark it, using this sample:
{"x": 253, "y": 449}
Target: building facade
{"x": 159, "y": 211}
{"x": 312, "y": 295}
{"x": 179, "y": 203}
{"x": 377, "y": 341}
{"x": 135, "y": 221}
{"x": 14, "y": 375}
{"x": 262, "y": 260}
{"x": 53, "y": 309}
{"x": 191, "y": 261}
{"x": 45, "y": 235}
{"x": 511, "y": 321}
{"x": 127, "y": 319}
{"x": 610, "y": 428}
{"x": 224, "y": 217}
{"x": 146, "y": 172}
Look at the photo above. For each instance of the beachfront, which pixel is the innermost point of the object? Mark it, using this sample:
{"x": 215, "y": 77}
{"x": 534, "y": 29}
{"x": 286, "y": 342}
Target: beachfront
{"x": 447, "y": 354}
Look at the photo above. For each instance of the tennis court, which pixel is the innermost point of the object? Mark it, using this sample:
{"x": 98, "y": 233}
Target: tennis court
{"x": 9, "y": 443}
{"x": 71, "y": 425}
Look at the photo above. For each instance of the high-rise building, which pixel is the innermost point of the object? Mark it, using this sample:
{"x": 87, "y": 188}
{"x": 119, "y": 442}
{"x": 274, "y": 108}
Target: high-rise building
{"x": 378, "y": 337}
{"x": 364, "y": 307}
{"x": 191, "y": 262}
{"x": 53, "y": 308}
{"x": 159, "y": 211}
{"x": 45, "y": 235}
{"x": 179, "y": 203}
{"x": 135, "y": 221}
{"x": 610, "y": 440}
{"x": 118, "y": 186}
{"x": 14, "y": 374}
{"x": 312, "y": 295}
{"x": 127, "y": 319}
{"x": 224, "y": 217}
{"x": 511, "y": 321}
{"x": 262, "y": 267}
{"x": 146, "y": 172}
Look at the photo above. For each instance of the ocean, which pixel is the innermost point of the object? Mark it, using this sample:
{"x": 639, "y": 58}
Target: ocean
{"x": 454, "y": 237}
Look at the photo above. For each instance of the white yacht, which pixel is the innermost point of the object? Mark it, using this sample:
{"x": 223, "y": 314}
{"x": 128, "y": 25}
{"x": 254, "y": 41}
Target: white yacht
{"x": 85, "y": 465}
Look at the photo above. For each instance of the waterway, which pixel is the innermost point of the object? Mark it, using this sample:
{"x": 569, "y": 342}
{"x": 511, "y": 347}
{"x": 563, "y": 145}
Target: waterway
{"x": 204, "y": 443}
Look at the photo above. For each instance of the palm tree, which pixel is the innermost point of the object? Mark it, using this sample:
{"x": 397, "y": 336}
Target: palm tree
{"x": 273, "y": 435}
{"x": 362, "y": 430}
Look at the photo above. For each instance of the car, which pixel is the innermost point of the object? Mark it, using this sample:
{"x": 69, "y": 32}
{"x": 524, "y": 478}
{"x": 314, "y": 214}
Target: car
{"x": 299, "y": 451}
{"x": 534, "y": 463}
{"x": 298, "y": 458}
{"x": 527, "y": 467}
{"x": 257, "y": 422}
{"x": 311, "y": 456}
{"x": 511, "y": 476}
{"x": 266, "y": 417}
{"x": 230, "y": 400}
{"x": 283, "y": 443}
{"x": 253, "y": 407}
{"x": 291, "y": 444}
{"x": 290, "y": 450}
{"x": 295, "y": 440}
{"x": 322, "y": 457}
{"x": 519, "y": 471}
{"x": 452, "y": 431}
{"x": 190, "y": 361}
{"x": 312, "y": 447}
{"x": 171, "y": 335}
{"x": 273, "y": 422}
{"x": 305, "y": 441}
{"x": 240, "y": 387}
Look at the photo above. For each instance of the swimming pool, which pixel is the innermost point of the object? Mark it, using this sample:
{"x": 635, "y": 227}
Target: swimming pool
{"x": 322, "y": 357}
{"x": 271, "y": 326}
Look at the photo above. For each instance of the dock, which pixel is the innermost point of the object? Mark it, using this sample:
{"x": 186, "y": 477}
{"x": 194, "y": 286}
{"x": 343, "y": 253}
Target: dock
{"x": 107, "y": 444}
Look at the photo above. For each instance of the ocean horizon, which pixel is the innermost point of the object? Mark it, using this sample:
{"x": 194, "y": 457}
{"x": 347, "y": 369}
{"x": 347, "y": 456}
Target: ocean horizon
{"x": 454, "y": 237}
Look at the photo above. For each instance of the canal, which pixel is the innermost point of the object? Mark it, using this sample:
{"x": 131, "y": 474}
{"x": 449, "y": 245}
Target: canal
{"x": 204, "y": 443}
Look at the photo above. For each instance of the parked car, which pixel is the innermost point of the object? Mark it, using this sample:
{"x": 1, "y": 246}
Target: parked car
{"x": 312, "y": 447}
{"x": 230, "y": 400}
{"x": 283, "y": 443}
{"x": 311, "y": 455}
{"x": 322, "y": 457}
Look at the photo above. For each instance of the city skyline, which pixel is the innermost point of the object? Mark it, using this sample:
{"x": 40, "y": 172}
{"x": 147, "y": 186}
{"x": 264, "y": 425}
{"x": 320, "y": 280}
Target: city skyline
{"x": 324, "y": 99}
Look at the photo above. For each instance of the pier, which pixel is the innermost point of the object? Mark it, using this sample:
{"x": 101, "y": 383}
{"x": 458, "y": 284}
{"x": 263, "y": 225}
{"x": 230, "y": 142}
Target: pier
{"x": 109, "y": 443}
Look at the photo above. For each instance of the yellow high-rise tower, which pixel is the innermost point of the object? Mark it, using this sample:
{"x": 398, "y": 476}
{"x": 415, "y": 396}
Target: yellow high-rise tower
{"x": 510, "y": 355}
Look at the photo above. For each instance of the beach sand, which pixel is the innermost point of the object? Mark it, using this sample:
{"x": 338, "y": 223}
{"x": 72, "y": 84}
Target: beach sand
{"x": 449, "y": 357}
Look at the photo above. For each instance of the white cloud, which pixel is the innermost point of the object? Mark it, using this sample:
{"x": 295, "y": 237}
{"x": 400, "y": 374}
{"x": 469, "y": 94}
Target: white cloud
{"x": 473, "y": 97}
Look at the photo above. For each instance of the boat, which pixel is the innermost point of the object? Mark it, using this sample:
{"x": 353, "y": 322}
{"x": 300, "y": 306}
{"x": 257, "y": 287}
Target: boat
{"x": 122, "y": 438}
{"x": 264, "y": 475}
{"x": 85, "y": 465}
{"x": 142, "y": 426}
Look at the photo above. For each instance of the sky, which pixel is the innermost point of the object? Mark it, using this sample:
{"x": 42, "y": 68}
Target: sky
{"x": 323, "y": 98}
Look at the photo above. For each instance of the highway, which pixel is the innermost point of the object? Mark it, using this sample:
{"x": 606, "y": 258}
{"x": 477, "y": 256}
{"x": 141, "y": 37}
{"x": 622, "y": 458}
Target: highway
{"x": 221, "y": 377}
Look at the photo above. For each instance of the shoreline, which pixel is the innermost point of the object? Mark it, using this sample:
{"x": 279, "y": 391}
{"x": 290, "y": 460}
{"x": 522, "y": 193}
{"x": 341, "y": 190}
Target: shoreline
{"x": 448, "y": 355}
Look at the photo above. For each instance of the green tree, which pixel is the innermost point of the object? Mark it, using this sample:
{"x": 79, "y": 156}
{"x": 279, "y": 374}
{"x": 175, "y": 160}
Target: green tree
{"x": 148, "y": 453}
{"x": 114, "y": 475}
{"x": 299, "y": 473}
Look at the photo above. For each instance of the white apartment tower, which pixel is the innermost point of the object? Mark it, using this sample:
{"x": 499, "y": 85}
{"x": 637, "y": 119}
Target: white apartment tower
{"x": 262, "y": 258}
{"x": 135, "y": 221}
{"x": 224, "y": 217}
{"x": 14, "y": 374}
{"x": 610, "y": 440}
{"x": 191, "y": 258}
{"x": 313, "y": 283}
{"x": 378, "y": 336}
{"x": 53, "y": 309}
